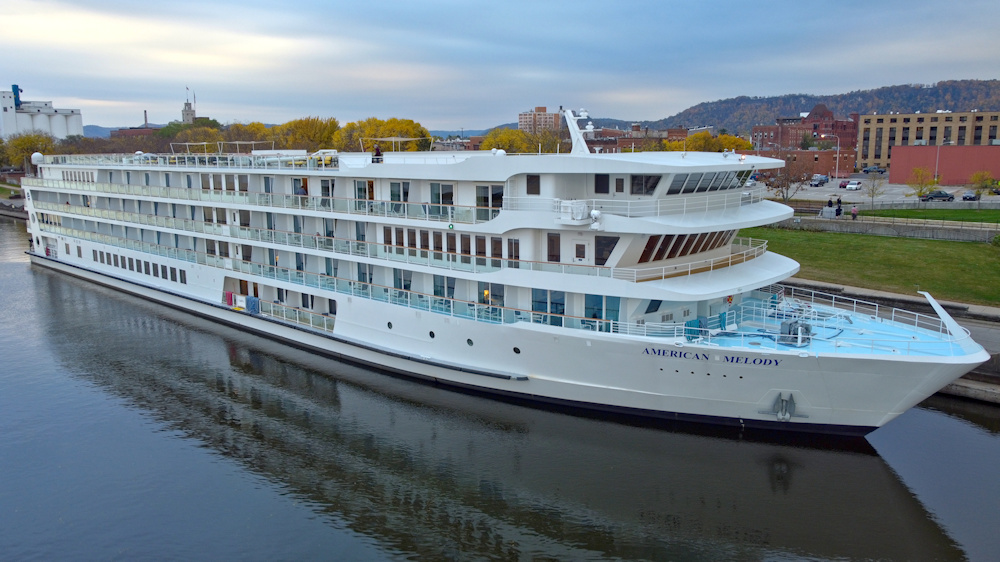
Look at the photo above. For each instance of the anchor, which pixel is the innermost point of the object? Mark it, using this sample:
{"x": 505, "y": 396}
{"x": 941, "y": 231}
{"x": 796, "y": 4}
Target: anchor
{"x": 783, "y": 408}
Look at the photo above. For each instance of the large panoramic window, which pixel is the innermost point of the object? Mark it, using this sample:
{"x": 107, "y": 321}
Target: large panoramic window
{"x": 644, "y": 185}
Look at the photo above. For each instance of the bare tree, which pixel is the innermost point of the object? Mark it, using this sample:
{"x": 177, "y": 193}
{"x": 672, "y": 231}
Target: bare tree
{"x": 788, "y": 181}
{"x": 874, "y": 186}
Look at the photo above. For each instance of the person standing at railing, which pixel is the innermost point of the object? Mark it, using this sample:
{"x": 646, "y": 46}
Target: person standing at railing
{"x": 854, "y": 213}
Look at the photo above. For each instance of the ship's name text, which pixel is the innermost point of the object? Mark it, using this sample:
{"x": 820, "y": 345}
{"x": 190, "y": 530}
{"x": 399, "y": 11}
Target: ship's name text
{"x": 675, "y": 354}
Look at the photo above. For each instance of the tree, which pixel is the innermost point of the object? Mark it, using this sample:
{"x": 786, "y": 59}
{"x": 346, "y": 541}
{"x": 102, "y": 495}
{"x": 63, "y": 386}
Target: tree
{"x": 705, "y": 142}
{"x": 980, "y": 182}
{"x": 255, "y": 131}
{"x": 20, "y": 146}
{"x": 921, "y": 182}
{"x": 360, "y": 135}
{"x": 309, "y": 133}
{"x": 874, "y": 186}
{"x": 510, "y": 140}
{"x": 787, "y": 181}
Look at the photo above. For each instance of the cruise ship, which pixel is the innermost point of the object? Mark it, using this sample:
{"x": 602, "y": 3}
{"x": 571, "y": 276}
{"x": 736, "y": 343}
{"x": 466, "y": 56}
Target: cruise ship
{"x": 613, "y": 282}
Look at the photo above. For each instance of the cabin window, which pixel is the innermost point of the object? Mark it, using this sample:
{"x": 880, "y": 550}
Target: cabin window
{"x": 619, "y": 185}
{"x": 644, "y": 185}
{"x": 534, "y": 184}
{"x": 602, "y": 183}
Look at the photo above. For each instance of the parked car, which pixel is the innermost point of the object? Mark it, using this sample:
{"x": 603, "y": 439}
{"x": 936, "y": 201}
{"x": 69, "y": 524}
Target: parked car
{"x": 873, "y": 169}
{"x": 815, "y": 183}
{"x": 853, "y": 185}
{"x": 970, "y": 196}
{"x": 844, "y": 183}
{"x": 938, "y": 195}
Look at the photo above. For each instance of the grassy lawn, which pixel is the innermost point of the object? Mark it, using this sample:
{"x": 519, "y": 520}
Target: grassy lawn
{"x": 966, "y": 272}
{"x": 965, "y": 215}
{"x": 6, "y": 189}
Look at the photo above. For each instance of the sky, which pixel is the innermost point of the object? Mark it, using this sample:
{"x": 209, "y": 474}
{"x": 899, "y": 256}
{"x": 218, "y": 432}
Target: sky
{"x": 452, "y": 65}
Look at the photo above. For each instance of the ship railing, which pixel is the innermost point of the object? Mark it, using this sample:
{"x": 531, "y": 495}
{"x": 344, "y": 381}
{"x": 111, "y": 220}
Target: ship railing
{"x": 669, "y": 205}
{"x": 423, "y": 211}
{"x": 300, "y": 316}
{"x": 817, "y": 306}
{"x": 318, "y": 161}
{"x": 742, "y": 250}
{"x": 714, "y": 331}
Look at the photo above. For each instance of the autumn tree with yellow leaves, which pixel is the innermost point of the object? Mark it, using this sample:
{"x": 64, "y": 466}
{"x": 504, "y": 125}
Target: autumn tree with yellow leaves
{"x": 362, "y": 135}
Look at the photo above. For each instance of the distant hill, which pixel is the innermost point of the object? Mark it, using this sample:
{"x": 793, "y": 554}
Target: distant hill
{"x": 98, "y": 132}
{"x": 739, "y": 115}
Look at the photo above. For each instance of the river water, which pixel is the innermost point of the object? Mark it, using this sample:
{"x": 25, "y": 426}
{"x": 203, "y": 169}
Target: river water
{"x": 132, "y": 431}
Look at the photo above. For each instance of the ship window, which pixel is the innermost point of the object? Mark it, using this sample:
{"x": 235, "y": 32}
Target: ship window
{"x": 95, "y": 254}
{"x": 692, "y": 183}
{"x": 156, "y": 270}
{"x": 131, "y": 264}
{"x": 706, "y": 181}
{"x": 553, "y": 247}
{"x": 604, "y": 245}
{"x": 513, "y": 252}
{"x": 677, "y": 183}
{"x": 173, "y": 274}
{"x": 534, "y": 184}
{"x": 619, "y": 185}
{"x": 115, "y": 258}
{"x": 601, "y": 183}
{"x": 668, "y": 240}
{"x": 653, "y": 306}
{"x": 644, "y": 185}
{"x": 184, "y": 278}
{"x": 647, "y": 252}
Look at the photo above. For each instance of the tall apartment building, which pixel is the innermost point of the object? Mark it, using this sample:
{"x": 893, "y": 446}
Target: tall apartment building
{"x": 878, "y": 134}
{"x": 538, "y": 120}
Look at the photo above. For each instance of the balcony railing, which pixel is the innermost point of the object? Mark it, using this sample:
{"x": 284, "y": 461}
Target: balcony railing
{"x": 463, "y": 214}
{"x": 671, "y": 205}
{"x": 744, "y": 249}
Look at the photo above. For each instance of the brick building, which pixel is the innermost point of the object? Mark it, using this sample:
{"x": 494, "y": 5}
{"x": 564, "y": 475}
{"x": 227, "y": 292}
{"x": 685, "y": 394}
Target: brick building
{"x": 951, "y": 164}
{"x": 813, "y": 161}
{"x": 880, "y": 135}
{"x": 539, "y": 120}
{"x": 787, "y": 132}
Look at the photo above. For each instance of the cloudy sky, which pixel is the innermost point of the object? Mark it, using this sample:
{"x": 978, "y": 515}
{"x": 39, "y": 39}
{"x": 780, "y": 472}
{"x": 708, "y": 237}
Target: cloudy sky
{"x": 463, "y": 64}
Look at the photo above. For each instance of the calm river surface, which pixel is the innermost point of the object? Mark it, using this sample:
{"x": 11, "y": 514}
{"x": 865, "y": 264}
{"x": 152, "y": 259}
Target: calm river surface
{"x": 132, "y": 431}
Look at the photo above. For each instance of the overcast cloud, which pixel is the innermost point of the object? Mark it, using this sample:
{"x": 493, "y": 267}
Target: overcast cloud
{"x": 461, "y": 64}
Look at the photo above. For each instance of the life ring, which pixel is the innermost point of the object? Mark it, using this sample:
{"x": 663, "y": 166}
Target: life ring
{"x": 729, "y": 299}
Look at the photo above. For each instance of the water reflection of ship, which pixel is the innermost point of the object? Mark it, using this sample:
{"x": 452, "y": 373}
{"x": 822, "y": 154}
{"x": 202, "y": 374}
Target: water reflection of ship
{"x": 449, "y": 475}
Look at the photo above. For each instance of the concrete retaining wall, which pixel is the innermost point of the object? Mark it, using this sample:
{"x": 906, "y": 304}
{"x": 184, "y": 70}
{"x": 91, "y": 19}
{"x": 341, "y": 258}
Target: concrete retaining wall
{"x": 901, "y": 228}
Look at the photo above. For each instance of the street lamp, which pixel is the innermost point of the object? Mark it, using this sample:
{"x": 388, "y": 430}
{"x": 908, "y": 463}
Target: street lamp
{"x": 836, "y": 174}
{"x": 937, "y": 158}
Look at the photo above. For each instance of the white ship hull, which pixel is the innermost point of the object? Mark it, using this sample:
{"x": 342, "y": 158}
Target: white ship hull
{"x": 671, "y": 379}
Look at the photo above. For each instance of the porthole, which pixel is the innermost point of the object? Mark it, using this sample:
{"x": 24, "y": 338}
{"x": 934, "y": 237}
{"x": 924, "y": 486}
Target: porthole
{"x": 469, "y": 342}
{"x": 390, "y": 325}
{"x": 517, "y": 350}
{"x": 432, "y": 335}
